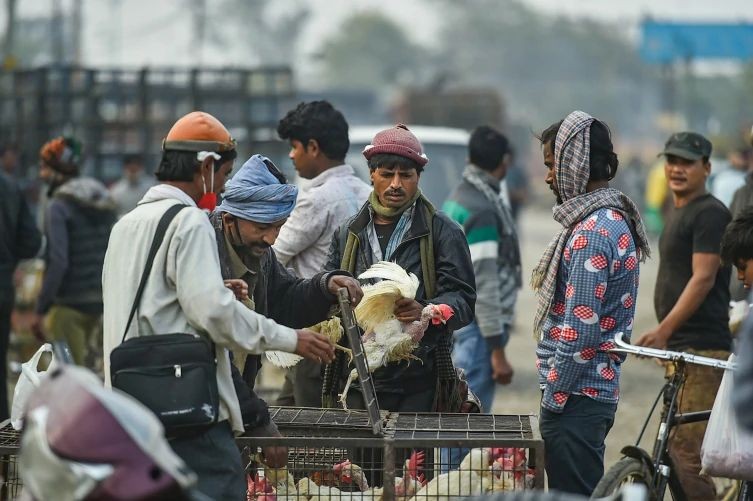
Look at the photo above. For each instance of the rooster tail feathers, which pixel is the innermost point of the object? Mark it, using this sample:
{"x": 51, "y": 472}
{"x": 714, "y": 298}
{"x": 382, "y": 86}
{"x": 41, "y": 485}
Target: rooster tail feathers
{"x": 379, "y": 299}
{"x": 282, "y": 359}
{"x": 332, "y": 328}
{"x": 377, "y": 304}
{"x": 408, "y": 282}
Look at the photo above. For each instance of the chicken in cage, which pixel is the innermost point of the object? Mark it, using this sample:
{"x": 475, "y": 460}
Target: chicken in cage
{"x": 483, "y": 470}
{"x": 334, "y": 454}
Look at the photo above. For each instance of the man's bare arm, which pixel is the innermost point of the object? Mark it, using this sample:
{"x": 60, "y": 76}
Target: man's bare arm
{"x": 705, "y": 267}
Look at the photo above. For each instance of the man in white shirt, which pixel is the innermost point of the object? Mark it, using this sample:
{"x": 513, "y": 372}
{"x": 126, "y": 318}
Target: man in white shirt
{"x": 185, "y": 291}
{"x": 318, "y": 136}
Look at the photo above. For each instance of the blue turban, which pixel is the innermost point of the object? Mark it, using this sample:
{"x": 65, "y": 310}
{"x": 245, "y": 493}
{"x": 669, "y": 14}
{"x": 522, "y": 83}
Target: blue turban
{"x": 255, "y": 194}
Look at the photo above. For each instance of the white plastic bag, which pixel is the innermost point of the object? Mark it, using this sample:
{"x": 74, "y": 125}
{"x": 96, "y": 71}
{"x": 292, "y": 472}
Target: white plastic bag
{"x": 727, "y": 450}
{"x": 27, "y": 382}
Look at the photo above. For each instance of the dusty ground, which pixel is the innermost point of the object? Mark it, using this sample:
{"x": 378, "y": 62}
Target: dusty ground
{"x": 641, "y": 379}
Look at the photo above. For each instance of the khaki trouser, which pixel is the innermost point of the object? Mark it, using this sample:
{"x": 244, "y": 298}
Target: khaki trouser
{"x": 81, "y": 331}
{"x": 697, "y": 394}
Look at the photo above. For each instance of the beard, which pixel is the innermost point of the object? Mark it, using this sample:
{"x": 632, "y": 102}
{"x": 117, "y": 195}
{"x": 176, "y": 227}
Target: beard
{"x": 257, "y": 250}
{"x": 557, "y": 196}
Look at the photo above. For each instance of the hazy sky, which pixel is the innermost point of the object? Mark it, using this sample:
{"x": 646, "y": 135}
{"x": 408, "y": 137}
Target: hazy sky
{"x": 696, "y": 10}
{"x": 157, "y": 32}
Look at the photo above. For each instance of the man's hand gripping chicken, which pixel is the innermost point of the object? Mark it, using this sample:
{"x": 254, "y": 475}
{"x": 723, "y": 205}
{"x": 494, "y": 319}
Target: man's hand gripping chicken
{"x": 392, "y": 320}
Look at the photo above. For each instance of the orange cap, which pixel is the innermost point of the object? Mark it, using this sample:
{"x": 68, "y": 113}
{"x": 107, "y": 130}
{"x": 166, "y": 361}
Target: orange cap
{"x": 198, "y": 131}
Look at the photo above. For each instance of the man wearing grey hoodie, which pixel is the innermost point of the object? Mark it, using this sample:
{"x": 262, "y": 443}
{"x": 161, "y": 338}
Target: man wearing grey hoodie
{"x": 77, "y": 226}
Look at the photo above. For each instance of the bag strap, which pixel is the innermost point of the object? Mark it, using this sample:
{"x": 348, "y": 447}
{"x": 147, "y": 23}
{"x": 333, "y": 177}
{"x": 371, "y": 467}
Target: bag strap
{"x": 426, "y": 248}
{"x": 159, "y": 236}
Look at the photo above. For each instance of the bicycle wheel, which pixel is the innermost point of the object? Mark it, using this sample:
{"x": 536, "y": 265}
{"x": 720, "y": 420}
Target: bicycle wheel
{"x": 624, "y": 471}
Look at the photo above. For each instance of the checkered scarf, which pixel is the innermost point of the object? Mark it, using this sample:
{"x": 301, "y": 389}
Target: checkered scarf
{"x": 572, "y": 163}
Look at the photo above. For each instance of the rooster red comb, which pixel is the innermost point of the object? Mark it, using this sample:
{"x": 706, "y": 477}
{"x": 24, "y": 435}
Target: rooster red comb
{"x": 341, "y": 466}
{"x": 445, "y": 313}
{"x": 415, "y": 463}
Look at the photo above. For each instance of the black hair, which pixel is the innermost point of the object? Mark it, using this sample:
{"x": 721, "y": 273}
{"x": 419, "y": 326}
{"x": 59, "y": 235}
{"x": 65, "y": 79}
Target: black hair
{"x": 737, "y": 241}
{"x": 181, "y": 165}
{"x": 603, "y": 159}
{"x": 549, "y": 135}
{"x": 320, "y": 121}
{"x": 392, "y": 160}
{"x": 133, "y": 159}
{"x": 487, "y": 147}
{"x": 9, "y": 147}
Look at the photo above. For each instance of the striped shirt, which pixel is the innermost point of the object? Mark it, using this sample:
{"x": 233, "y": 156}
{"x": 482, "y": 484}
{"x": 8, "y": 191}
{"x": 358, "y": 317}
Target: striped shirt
{"x": 496, "y": 283}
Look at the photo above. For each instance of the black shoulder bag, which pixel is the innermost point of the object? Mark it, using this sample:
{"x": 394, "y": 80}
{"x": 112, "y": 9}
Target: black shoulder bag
{"x": 174, "y": 375}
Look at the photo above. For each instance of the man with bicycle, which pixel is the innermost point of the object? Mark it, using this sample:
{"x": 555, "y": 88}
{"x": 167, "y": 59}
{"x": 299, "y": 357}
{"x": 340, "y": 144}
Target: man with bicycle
{"x": 586, "y": 282}
{"x": 691, "y": 298}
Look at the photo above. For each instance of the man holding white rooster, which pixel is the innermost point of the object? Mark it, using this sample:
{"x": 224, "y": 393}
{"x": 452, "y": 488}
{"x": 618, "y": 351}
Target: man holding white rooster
{"x": 398, "y": 224}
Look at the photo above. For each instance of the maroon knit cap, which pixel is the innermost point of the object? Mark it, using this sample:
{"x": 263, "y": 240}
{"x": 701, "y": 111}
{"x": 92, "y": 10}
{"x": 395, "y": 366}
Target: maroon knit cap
{"x": 397, "y": 141}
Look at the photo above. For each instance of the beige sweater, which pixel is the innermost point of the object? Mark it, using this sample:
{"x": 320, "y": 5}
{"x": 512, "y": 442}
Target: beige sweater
{"x": 184, "y": 291}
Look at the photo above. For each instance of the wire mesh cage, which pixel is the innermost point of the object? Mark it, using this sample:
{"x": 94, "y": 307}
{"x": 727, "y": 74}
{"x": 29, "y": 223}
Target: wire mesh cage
{"x": 10, "y": 481}
{"x": 373, "y": 454}
{"x": 10, "y": 477}
{"x": 332, "y": 454}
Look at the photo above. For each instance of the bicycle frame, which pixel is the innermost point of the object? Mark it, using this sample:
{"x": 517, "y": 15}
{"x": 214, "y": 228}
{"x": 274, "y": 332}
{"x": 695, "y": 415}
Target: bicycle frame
{"x": 663, "y": 467}
{"x": 659, "y": 465}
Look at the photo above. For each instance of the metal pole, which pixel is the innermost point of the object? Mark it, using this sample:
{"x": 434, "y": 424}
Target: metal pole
{"x": 199, "y": 31}
{"x": 57, "y": 40}
{"x": 9, "y": 47}
{"x": 77, "y": 28}
{"x": 388, "y": 481}
{"x": 115, "y": 35}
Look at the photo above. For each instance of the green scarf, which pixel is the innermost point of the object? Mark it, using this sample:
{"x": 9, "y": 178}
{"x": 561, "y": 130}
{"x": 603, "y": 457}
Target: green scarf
{"x": 426, "y": 244}
{"x": 448, "y": 395}
{"x": 389, "y": 212}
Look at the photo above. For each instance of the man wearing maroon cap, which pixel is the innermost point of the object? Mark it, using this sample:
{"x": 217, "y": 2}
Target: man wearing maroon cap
{"x": 398, "y": 224}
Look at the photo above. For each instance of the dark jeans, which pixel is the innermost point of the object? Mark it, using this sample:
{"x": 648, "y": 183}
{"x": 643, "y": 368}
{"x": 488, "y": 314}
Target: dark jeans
{"x": 214, "y": 457}
{"x": 574, "y": 443}
{"x": 6, "y": 307}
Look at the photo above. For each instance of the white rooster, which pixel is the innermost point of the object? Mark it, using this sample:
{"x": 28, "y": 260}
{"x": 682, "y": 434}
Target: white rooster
{"x": 473, "y": 477}
{"x": 307, "y": 489}
{"x": 386, "y": 339}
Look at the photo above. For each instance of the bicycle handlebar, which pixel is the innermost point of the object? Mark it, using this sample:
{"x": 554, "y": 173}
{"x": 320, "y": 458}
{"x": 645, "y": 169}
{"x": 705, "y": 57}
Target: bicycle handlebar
{"x": 676, "y": 356}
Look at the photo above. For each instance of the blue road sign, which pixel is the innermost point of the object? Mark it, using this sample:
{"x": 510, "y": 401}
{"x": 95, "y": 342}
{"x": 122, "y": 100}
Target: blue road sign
{"x": 665, "y": 42}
